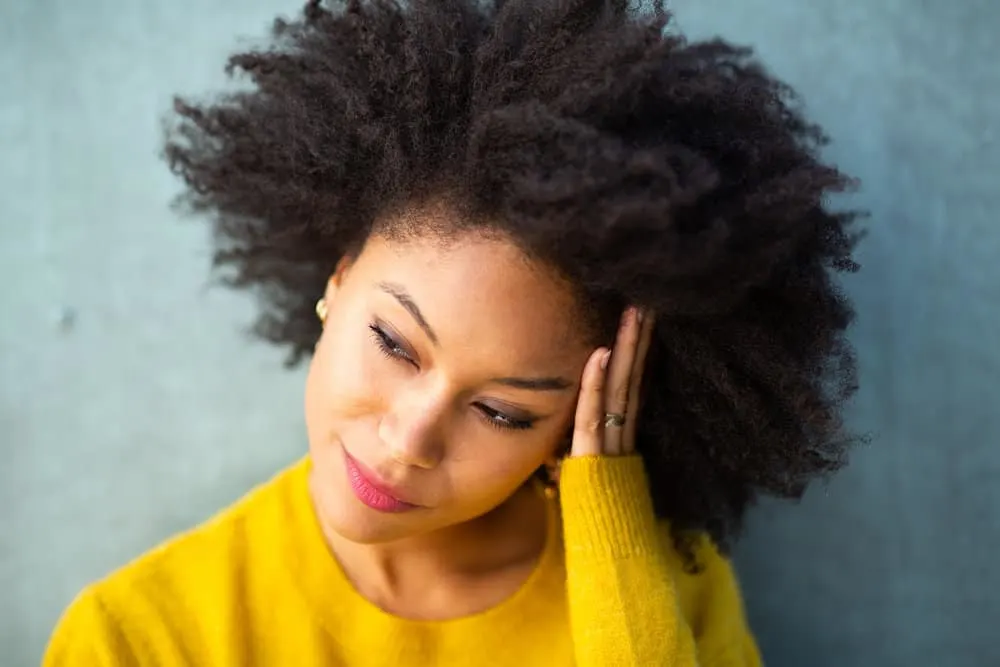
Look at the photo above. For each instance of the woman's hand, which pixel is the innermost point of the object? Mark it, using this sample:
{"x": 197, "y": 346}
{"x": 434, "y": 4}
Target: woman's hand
{"x": 609, "y": 391}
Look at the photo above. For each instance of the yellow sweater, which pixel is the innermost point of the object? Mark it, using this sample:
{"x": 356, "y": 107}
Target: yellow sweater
{"x": 257, "y": 585}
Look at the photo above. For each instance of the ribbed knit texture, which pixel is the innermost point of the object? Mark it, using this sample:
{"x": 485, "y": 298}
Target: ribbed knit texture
{"x": 257, "y": 585}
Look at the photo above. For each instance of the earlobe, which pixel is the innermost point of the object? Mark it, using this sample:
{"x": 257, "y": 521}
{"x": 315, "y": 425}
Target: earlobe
{"x": 550, "y": 487}
{"x": 553, "y": 465}
{"x": 332, "y": 285}
{"x": 321, "y": 310}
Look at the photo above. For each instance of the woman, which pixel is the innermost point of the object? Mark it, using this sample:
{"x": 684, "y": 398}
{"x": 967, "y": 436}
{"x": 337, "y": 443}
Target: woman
{"x": 522, "y": 215}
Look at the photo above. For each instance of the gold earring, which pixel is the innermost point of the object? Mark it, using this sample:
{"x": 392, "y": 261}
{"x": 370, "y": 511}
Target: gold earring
{"x": 321, "y": 310}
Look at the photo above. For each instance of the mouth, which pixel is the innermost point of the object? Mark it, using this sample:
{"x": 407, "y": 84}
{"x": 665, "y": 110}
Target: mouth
{"x": 371, "y": 492}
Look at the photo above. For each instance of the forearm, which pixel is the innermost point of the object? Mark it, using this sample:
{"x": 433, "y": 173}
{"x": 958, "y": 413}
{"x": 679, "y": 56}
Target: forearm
{"x": 622, "y": 599}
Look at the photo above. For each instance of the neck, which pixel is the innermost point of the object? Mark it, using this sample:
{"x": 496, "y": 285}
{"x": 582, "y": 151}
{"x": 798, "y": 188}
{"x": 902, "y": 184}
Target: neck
{"x": 508, "y": 539}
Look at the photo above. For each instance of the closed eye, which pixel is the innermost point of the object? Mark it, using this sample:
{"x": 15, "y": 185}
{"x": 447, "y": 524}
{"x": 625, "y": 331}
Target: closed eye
{"x": 388, "y": 346}
{"x": 392, "y": 349}
{"x": 499, "y": 420}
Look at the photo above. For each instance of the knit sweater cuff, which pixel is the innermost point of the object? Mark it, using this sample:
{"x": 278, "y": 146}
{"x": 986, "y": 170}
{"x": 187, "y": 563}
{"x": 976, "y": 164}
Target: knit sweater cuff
{"x": 606, "y": 508}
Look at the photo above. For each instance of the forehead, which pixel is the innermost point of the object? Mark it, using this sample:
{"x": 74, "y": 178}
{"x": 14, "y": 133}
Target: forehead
{"x": 481, "y": 295}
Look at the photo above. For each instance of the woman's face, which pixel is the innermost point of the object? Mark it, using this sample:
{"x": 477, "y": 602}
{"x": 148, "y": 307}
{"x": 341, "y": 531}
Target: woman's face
{"x": 446, "y": 374}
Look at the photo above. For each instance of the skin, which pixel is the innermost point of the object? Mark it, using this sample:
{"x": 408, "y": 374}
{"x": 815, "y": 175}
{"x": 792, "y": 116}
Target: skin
{"x": 421, "y": 415}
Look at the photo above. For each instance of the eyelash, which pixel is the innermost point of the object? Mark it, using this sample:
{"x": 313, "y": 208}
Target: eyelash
{"x": 502, "y": 422}
{"x": 387, "y": 346}
{"x": 393, "y": 350}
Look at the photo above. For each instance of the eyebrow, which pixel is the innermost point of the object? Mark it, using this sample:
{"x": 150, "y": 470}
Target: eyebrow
{"x": 406, "y": 301}
{"x": 399, "y": 292}
{"x": 535, "y": 384}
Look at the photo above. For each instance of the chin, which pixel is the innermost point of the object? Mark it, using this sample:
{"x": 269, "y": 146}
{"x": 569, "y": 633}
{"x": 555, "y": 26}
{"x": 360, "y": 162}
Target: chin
{"x": 340, "y": 510}
{"x": 363, "y": 526}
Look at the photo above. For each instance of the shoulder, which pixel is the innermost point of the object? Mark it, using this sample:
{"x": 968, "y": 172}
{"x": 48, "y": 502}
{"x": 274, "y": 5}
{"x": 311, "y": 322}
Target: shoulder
{"x": 705, "y": 579}
{"x": 216, "y": 550}
{"x": 177, "y": 582}
{"x": 709, "y": 597}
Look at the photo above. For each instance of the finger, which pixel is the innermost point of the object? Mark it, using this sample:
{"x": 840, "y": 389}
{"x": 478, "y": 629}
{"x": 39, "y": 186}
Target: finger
{"x": 635, "y": 383}
{"x": 619, "y": 374}
{"x": 588, "y": 425}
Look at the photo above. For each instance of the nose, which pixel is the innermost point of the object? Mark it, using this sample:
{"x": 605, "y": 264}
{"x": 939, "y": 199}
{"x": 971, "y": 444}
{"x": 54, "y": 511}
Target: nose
{"x": 412, "y": 428}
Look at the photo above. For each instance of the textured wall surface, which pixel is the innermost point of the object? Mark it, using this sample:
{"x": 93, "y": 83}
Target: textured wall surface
{"x": 132, "y": 405}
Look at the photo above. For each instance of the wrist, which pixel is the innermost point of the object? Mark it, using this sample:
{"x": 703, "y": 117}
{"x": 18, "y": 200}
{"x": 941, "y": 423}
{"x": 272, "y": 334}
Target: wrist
{"x": 606, "y": 507}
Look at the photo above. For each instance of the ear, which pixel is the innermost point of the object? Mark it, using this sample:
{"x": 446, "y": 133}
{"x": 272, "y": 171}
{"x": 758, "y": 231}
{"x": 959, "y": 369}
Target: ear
{"x": 340, "y": 272}
{"x": 552, "y": 470}
{"x": 560, "y": 453}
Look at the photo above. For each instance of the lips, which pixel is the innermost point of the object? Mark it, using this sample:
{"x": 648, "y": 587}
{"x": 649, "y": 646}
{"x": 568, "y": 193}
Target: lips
{"x": 370, "y": 492}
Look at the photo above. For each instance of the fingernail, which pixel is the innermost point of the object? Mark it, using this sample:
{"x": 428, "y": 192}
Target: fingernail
{"x": 604, "y": 360}
{"x": 638, "y": 316}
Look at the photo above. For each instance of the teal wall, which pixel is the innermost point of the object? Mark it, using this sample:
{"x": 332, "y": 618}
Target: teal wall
{"x": 131, "y": 405}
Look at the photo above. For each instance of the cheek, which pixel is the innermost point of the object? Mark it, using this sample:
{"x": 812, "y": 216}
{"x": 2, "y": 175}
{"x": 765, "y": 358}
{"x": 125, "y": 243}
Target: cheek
{"x": 493, "y": 467}
{"x": 342, "y": 382}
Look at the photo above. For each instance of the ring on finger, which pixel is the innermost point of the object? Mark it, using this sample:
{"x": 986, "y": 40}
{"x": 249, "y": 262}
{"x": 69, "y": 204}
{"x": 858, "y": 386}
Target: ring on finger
{"x": 614, "y": 419}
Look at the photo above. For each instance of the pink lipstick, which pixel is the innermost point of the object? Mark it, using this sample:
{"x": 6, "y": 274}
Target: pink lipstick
{"x": 370, "y": 492}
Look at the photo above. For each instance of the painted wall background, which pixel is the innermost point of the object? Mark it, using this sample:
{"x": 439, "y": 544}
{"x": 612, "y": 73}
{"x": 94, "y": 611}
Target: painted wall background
{"x": 133, "y": 406}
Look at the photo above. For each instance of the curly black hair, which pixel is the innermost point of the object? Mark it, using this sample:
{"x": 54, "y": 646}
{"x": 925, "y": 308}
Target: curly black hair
{"x": 643, "y": 167}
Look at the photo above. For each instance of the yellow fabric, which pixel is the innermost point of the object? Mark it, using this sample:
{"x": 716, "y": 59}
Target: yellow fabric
{"x": 257, "y": 585}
